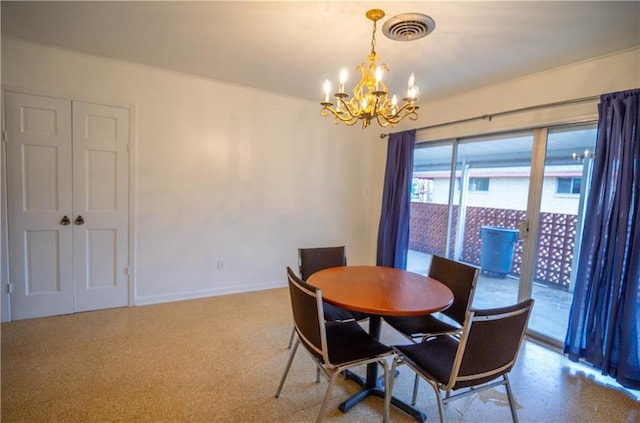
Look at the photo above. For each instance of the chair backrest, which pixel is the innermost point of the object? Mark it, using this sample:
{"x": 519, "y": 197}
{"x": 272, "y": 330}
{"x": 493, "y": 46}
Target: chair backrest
{"x": 306, "y": 305}
{"x": 489, "y": 344}
{"x": 461, "y": 279}
{"x": 311, "y": 260}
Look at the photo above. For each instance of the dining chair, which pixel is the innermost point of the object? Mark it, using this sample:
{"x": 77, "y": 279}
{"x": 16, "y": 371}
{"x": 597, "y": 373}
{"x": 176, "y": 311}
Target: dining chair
{"x": 461, "y": 279}
{"x": 334, "y": 347}
{"x": 312, "y": 260}
{"x": 480, "y": 359}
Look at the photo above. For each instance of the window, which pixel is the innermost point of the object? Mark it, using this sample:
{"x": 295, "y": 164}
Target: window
{"x": 479, "y": 184}
{"x": 568, "y": 185}
{"x": 422, "y": 190}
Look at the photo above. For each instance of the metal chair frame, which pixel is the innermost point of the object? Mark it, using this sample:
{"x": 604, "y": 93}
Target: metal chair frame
{"x": 441, "y": 266}
{"x": 473, "y": 316}
{"x": 337, "y": 257}
{"x": 319, "y": 351}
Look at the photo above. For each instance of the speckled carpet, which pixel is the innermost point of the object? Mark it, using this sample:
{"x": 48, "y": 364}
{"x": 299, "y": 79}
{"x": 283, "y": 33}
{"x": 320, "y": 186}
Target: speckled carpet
{"x": 220, "y": 359}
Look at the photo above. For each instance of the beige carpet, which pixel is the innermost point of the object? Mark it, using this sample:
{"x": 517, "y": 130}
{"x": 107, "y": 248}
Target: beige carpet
{"x": 220, "y": 360}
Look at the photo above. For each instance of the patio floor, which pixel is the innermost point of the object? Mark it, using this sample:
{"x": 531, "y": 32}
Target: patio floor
{"x": 550, "y": 312}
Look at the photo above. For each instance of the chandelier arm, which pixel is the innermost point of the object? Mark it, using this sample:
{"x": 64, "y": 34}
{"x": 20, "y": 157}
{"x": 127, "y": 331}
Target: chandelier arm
{"x": 384, "y": 122}
{"x": 347, "y": 107}
{"x": 407, "y": 109}
{"x": 350, "y": 121}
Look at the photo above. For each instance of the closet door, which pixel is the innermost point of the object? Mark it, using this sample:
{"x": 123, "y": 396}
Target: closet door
{"x": 100, "y": 205}
{"x": 67, "y": 177}
{"x": 39, "y": 173}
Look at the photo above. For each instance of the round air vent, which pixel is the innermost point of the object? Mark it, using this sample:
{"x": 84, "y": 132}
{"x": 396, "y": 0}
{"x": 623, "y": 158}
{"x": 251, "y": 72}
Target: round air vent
{"x": 408, "y": 27}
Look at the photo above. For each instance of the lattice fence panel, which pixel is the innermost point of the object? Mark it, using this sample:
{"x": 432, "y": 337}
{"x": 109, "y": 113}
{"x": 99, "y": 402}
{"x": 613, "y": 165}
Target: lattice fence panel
{"x": 428, "y": 228}
{"x": 555, "y": 248}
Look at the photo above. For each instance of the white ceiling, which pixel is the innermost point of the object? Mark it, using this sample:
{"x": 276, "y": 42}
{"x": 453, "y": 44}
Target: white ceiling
{"x": 292, "y": 47}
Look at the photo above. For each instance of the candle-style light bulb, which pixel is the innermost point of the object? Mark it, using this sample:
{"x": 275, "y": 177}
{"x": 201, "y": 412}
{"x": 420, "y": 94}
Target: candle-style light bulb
{"x": 378, "y": 77}
{"x": 343, "y": 79}
{"x": 327, "y": 90}
{"x": 411, "y": 93}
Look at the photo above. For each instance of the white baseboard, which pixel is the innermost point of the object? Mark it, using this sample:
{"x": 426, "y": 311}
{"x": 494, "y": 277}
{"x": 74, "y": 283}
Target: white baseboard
{"x": 181, "y": 296}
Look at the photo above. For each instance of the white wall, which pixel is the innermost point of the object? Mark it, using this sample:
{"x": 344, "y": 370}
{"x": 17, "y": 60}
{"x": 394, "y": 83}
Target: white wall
{"x": 615, "y": 72}
{"x": 244, "y": 185}
{"x": 221, "y": 172}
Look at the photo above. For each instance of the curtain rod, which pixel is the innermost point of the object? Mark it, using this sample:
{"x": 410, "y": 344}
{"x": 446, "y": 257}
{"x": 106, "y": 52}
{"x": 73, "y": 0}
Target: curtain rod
{"x": 508, "y": 112}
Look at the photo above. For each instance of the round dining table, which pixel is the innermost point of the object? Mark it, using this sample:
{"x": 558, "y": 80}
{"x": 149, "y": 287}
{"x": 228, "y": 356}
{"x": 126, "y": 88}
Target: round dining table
{"x": 380, "y": 291}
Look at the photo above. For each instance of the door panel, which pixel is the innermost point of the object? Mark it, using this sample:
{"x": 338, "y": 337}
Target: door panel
{"x": 42, "y": 274}
{"x": 100, "y": 142}
{"x": 565, "y": 185}
{"x": 67, "y": 171}
{"x": 38, "y": 197}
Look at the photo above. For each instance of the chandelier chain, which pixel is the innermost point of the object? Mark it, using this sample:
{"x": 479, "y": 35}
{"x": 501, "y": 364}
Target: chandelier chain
{"x": 373, "y": 38}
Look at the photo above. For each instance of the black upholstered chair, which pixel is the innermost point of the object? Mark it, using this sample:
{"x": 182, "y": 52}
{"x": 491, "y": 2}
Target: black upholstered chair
{"x": 480, "y": 359}
{"x": 461, "y": 279}
{"x": 334, "y": 347}
{"x": 312, "y": 260}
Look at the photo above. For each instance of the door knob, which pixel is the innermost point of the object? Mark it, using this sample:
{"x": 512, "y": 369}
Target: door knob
{"x": 79, "y": 220}
{"x": 65, "y": 220}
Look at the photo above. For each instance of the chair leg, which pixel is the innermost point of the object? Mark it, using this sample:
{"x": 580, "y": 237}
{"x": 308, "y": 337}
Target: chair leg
{"x": 391, "y": 377}
{"x": 414, "y": 398}
{"x": 387, "y": 391}
{"x": 512, "y": 404}
{"x": 327, "y": 395}
{"x": 293, "y": 335}
{"x": 438, "y": 399}
{"x": 286, "y": 369}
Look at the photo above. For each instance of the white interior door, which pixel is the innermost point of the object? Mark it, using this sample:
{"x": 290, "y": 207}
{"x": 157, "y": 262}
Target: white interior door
{"x": 67, "y": 175}
{"x": 39, "y": 198}
{"x": 100, "y": 206}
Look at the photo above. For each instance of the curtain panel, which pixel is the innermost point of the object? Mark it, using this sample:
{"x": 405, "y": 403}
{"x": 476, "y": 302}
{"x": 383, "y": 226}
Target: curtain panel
{"x": 393, "y": 231}
{"x": 604, "y": 320}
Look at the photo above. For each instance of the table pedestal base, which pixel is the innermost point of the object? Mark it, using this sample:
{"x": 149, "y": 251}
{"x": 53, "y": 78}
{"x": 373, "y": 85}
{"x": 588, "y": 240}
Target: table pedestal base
{"x": 377, "y": 391}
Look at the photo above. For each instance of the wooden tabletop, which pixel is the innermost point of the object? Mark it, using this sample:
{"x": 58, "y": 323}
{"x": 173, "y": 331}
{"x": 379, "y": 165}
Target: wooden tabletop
{"x": 380, "y": 290}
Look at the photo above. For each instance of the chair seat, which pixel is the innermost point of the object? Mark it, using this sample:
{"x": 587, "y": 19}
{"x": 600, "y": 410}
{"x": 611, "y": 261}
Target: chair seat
{"x": 433, "y": 358}
{"x": 334, "y": 313}
{"x": 417, "y": 326}
{"x": 347, "y": 342}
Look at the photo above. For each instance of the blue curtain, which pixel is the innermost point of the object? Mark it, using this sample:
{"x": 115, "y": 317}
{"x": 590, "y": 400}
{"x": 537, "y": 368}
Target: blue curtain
{"x": 604, "y": 321}
{"x": 393, "y": 232}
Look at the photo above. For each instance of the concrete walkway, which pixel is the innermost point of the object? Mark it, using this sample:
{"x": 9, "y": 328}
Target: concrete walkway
{"x": 550, "y": 312}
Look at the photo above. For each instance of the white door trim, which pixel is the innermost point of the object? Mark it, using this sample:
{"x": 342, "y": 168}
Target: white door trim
{"x": 5, "y": 309}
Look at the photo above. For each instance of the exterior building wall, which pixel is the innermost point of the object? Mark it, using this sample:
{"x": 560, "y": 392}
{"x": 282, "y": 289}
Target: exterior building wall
{"x": 509, "y": 193}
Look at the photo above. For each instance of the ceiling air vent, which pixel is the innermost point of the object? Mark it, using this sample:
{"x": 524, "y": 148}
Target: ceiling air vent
{"x": 408, "y": 27}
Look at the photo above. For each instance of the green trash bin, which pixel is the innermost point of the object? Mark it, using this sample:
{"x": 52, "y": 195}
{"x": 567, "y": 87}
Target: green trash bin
{"x": 498, "y": 247}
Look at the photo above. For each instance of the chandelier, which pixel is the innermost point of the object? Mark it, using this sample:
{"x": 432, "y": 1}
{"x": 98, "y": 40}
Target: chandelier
{"x": 370, "y": 96}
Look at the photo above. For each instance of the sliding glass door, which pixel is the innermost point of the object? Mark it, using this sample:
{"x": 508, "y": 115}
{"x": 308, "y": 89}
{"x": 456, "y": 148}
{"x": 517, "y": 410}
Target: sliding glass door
{"x": 565, "y": 183}
{"x": 510, "y": 205}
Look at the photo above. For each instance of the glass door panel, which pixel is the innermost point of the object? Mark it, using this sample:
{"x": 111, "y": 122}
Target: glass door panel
{"x": 477, "y": 212}
{"x": 490, "y": 199}
{"x": 429, "y": 204}
{"x": 564, "y": 188}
